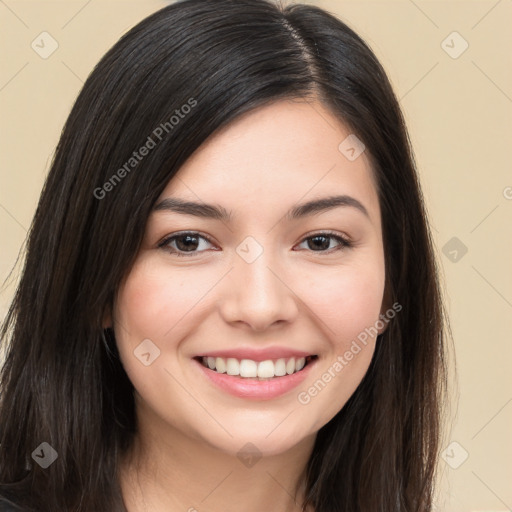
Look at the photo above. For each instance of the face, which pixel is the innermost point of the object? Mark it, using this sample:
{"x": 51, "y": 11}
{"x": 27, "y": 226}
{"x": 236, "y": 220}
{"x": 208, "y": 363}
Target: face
{"x": 220, "y": 299}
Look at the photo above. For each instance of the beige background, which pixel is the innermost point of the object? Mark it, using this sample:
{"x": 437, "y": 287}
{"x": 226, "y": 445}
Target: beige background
{"x": 459, "y": 114}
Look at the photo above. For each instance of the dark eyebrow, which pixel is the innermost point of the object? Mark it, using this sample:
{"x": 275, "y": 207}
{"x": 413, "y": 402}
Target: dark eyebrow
{"x": 324, "y": 204}
{"x": 217, "y": 212}
{"x": 208, "y": 211}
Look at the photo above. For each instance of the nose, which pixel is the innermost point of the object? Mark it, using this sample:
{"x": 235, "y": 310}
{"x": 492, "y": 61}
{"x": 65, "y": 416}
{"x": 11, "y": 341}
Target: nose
{"x": 258, "y": 294}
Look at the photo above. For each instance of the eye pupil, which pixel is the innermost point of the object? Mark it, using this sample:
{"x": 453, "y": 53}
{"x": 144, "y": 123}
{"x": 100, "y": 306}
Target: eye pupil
{"x": 324, "y": 245}
{"x": 188, "y": 245}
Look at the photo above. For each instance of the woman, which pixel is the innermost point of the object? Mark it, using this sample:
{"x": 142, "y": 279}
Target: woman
{"x": 230, "y": 297}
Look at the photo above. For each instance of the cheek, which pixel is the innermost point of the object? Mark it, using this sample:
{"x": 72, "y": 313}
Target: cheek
{"x": 158, "y": 304}
{"x": 155, "y": 301}
{"x": 154, "y": 304}
{"x": 346, "y": 301}
{"x": 347, "y": 304}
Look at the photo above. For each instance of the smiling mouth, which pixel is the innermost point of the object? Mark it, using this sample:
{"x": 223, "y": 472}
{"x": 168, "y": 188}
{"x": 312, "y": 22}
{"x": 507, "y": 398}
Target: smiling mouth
{"x": 260, "y": 370}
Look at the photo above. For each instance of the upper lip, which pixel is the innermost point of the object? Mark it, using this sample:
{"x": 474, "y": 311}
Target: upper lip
{"x": 257, "y": 354}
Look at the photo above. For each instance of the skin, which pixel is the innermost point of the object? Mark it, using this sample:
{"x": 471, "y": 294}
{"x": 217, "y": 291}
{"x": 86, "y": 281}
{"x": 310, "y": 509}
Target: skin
{"x": 295, "y": 295}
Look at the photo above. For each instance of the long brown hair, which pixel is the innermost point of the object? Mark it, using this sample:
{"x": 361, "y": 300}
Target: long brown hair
{"x": 62, "y": 381}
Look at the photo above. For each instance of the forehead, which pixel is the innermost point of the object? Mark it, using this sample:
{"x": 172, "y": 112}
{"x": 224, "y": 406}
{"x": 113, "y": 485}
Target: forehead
{"x": 273, "y": 157}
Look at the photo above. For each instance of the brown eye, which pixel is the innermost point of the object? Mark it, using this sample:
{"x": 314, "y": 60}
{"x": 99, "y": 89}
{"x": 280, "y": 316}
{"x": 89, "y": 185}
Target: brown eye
{"x": 321, "y": 242}
{"x": 184, "y": 244}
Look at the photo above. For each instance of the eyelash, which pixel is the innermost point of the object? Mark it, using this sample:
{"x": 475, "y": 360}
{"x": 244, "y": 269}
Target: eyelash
{"x": 344, "y": 243}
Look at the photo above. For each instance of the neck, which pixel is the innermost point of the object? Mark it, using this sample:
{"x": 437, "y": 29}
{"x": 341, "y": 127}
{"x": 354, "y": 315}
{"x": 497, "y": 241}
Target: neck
{"x": 167, "y": 470}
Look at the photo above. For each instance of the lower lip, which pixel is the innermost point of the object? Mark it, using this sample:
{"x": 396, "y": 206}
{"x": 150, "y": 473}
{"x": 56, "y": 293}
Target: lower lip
{"x": 251, "y": 388}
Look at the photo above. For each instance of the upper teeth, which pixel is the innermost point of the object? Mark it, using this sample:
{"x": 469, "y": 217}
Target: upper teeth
{"x": 249, "y": 368}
